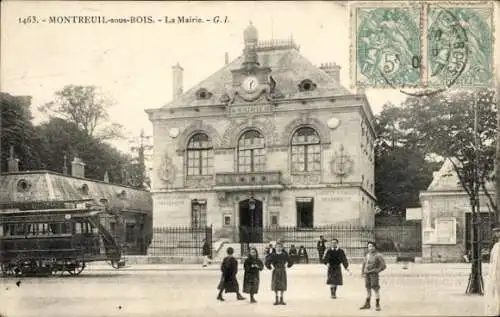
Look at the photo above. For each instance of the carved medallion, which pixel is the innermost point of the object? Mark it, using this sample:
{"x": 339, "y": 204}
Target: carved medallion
{"x": 333, "y": 123}
{"x": 173, "y": 132}
{"x": 167, "y": 170}
{"x": 341, "y": 163}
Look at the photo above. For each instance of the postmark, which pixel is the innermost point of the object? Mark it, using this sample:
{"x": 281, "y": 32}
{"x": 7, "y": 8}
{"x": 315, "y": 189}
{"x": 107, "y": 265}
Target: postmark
{"x": 386, "y": 44}
{"x": 427, "y": 45}
{"x": 459, "y": 45}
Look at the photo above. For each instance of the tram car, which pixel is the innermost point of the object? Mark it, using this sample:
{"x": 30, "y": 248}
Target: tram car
{"x": 52, "y": 241}
{"x": 79, "y": 222}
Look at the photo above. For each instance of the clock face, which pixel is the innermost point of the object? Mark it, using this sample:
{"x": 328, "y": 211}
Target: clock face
{"x": 250, "y": 83}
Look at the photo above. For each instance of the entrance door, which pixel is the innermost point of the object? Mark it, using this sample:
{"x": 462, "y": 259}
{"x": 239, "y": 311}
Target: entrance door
{"x": 250, "y": 221}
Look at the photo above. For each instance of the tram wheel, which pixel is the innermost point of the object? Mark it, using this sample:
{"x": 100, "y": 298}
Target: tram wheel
{"x": 76, "y": 269}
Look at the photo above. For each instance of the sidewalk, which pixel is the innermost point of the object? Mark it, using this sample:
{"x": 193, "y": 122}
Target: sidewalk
{"x": 393, "y": 269}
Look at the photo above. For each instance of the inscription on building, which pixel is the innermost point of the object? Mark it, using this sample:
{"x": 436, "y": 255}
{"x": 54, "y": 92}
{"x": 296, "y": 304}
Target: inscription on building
{"x": 170, "y": 202}
{"x": 336, "y": 196}
{"x": 248, "y": 109}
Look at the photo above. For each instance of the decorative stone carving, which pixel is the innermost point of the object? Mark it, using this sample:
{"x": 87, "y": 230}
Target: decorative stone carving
{"x": 306, "y": 121}
{"x": 173, "y": 132}
{"x": 305, "y": 179}
{"x": 205, "y": 181}
{"x": 275, "y": 198}
{"x": 341, "y": 164}
{"x": 195, "y": 127}
{"x": 265, "y": 126}
{"x": 168, "y": 170}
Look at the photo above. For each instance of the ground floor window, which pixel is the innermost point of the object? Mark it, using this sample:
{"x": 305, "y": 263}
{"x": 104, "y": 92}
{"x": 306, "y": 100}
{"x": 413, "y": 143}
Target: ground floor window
{"x": 305, "y": 212}
{"x": 130, "y": 233}
{"x": 198, "y": 213}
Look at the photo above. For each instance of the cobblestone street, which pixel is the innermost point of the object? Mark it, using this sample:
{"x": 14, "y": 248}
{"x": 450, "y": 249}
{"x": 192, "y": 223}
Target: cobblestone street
{"x": 174, "y": 290}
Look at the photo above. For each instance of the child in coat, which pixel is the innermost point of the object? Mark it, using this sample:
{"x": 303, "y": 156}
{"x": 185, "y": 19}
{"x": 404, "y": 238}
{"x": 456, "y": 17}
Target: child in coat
{"x": 279, "y": 262}
{"x": 252, "y": 265}
{"x": 228, "y": 282}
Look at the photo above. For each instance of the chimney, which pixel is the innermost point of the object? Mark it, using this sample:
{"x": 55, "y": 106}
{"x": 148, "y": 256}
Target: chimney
{"x": 77, "y": 168}
{"x": 12, "y": 162}
{"x": 226, "y": 58}
{"x": 177, "y": 72}
{"x": 65, "y": 166}
{"x": 332, "y": 69}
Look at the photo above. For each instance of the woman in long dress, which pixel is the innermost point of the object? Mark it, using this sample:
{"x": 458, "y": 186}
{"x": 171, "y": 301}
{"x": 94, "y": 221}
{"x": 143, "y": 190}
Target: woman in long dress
{"x": 251, "y": 279}
{"x": 279, "y": 262}
{"x": 492, "y": 287}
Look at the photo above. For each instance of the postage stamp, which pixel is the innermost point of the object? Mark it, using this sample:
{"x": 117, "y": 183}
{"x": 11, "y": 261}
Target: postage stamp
{"x": 386, "y": 44}
{"x": 459, "y": 45}
{"x": 422, "y": 44}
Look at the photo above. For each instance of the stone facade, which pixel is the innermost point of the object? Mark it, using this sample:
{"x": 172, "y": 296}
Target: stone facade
{"x": 291, "y": 96}
{"x": 446, "y": 210}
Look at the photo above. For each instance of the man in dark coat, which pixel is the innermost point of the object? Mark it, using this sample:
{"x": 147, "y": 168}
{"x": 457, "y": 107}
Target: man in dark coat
{"x": 279, "y": 262}
{"x": 293, "y": 253}
{"x": 321, "y": 246}
{"x": 228, "y": 282}
{"x": 251, "y": 280}
{"x": 334, "y": 257}
{"x": 303, "y": 257}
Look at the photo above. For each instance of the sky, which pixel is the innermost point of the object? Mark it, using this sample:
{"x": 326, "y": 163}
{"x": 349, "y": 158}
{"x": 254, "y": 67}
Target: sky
{"x": 132, "y": 63}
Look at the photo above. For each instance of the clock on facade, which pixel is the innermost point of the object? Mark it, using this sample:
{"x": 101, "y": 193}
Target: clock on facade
{"x": 250, "y": 83}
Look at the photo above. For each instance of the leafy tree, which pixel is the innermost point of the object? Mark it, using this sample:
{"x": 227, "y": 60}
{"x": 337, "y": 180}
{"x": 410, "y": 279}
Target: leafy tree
{"x": 17, "y": 130}
{"x": 401, "y": 170}
{"x": 60, "y": 137}
{"x": 443, "y": 124}
{"x": 85, "y": 107}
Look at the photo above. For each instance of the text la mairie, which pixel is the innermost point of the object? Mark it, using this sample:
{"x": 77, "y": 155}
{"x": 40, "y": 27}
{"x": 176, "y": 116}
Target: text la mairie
{"x": 268, "y": 140}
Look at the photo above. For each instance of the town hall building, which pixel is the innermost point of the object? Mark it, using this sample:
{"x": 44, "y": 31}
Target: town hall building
{"x": 269, "y": 140}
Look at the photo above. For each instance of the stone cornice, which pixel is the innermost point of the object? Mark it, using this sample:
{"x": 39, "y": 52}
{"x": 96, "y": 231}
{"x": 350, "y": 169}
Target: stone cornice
{"x": 357, "y": 100}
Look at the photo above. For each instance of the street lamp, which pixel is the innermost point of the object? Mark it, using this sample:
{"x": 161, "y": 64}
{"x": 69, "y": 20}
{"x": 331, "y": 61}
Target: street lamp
{"x": 475, "y": 285}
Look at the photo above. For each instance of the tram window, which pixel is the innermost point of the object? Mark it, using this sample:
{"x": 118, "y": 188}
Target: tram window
{"x": 78, "y": 228}
{"x": 18, "y": 229}
{"x": 54, "y": 227}
{"x": 65, "y": 227}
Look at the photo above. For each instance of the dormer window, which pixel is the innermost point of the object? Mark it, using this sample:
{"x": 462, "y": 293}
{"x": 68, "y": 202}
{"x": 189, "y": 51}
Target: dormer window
{"x": 307, "y": 85}
{"x": 122, "y": 194}
{"x": 23, "y": 185}
{"x": 202, "y": 94}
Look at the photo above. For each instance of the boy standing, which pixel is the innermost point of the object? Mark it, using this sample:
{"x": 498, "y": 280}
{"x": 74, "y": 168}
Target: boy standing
{"x": 373, "y": 264}
{"x": 334, "y": 258}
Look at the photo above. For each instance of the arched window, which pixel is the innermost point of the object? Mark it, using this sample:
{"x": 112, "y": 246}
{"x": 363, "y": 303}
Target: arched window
{"x": 306, "y": 153}
{"x": 251, "y": 156}
{"x": 199, "y": 155}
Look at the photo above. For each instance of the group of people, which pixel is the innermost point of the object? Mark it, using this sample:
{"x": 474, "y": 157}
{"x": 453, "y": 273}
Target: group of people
{"x": 278, "y": 260}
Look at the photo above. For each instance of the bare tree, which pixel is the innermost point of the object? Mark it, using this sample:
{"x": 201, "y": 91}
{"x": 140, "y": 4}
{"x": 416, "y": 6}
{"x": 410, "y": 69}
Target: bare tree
{"x": 86, "y": 107}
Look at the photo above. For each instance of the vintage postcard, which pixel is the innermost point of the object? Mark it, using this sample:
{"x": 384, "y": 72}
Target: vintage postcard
{"x": 274, "y": 158}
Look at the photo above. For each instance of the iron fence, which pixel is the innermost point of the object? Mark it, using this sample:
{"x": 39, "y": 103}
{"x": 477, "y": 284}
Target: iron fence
{"x": 188, "y": 241}
{"x": 352, "y": 239}
{"x": 180, "y": 241}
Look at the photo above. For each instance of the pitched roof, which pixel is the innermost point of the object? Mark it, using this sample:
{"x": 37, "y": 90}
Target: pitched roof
{"x": 43, "y": 186}
{"x": 446, "y": 179}
{"x": 288, "y": 69}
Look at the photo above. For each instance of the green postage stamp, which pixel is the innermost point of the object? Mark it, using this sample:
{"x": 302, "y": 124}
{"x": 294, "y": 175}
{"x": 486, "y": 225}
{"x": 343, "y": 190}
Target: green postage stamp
{"x": 422, "y": 44}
